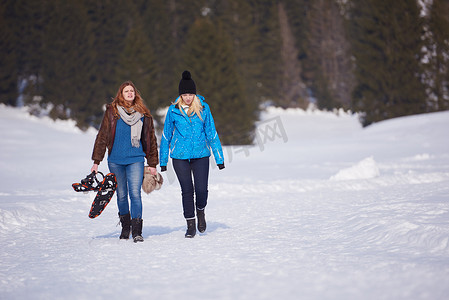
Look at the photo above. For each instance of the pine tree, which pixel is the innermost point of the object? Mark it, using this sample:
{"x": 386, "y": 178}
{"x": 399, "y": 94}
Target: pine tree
{"x": 209, "y": 57}
{"x": 297, "y": 11}
{"x": 108, "y": 24}
{"x": 328, "y": 55}
{"x": 267, "y": 21}
{"x": 67, "y": 64}
{"x": 28, "y": 21}
{"x": 238, "y": 20}
{"x": 438, "y": 44}
{"x": 138, "y": 64}
{"x": 293, "y": 90}
{"x": 387, "y": 45}
{"x": 8, "y": 58}
{"x": 159, "y": 26}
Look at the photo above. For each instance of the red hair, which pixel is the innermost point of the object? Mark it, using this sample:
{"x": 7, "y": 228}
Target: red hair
{"x": 137, "y": 104}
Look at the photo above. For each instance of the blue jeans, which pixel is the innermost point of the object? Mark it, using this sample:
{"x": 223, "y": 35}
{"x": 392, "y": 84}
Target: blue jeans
{"x": 129, "y": 181}
{"x": 184, "y": 168}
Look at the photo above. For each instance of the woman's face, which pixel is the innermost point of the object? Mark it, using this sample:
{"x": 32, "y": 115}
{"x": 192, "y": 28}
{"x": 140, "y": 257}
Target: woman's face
{"x": 128, "y": 93}
{"x": 187, "y": 98}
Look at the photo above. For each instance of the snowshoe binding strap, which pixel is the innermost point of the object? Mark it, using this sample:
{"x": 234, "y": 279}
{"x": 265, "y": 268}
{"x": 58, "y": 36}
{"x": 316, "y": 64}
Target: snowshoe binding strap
{"x": 89, "y": 183}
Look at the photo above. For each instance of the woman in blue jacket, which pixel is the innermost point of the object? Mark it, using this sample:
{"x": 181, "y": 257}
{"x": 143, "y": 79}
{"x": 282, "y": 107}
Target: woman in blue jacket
{"x": 189, "y": 135}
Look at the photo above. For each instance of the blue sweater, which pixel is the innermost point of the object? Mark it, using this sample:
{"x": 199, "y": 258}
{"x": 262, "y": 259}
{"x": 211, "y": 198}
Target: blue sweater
{"x": 123, "y": 153}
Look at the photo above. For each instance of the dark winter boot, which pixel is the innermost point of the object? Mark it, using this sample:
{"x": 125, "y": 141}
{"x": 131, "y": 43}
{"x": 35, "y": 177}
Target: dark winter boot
{"x": 136, "y": 225}
{"x": 201, "y": 220}
{"x": 126, "y": 226}
{"x": 191, "y": 228}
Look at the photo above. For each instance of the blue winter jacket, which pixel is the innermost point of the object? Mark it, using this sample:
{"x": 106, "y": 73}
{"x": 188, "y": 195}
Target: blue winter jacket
{"x": 190, "y": 137}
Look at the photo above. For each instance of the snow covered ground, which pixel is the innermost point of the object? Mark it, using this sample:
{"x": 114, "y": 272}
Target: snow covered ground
{"x": 318, "y": 208}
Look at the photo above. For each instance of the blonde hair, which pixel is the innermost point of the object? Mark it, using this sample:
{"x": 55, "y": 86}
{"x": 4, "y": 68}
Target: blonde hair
{"x": 194, "y": 108}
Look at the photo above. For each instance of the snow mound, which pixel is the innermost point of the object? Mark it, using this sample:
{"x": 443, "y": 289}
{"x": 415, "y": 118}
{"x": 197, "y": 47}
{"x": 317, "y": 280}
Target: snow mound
{"x": 365, "y": 169}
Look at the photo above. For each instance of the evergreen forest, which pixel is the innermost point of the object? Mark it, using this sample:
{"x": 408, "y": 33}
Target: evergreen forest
{"x": 381, "y": 58}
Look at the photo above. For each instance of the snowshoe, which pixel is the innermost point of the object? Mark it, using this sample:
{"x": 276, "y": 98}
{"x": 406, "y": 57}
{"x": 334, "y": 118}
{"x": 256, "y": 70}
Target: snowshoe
{"x": 104, "y": 195}
{"x": 90, "y": 183}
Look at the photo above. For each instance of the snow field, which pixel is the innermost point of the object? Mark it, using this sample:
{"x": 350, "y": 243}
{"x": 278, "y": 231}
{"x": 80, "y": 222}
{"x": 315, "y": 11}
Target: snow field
{"x": 318, "y": 208}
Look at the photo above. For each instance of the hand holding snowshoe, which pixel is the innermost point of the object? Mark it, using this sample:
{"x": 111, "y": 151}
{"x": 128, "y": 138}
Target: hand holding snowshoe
{"x": 90, "y": 183}
{"x": 105, "y": 190}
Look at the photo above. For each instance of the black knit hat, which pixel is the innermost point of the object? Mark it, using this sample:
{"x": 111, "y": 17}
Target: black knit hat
{"x": 187, "y": 85}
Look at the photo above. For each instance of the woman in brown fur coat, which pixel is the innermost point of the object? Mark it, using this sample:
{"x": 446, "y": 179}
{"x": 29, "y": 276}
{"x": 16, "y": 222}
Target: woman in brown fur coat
{"x": 127, "y": 131}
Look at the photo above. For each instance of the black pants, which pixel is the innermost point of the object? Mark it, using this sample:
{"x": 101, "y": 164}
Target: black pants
{"x": 184, "y": 169}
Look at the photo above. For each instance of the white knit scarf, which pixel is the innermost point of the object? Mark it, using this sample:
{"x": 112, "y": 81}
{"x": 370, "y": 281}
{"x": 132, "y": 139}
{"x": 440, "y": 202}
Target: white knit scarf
{"x": 133, "y": 120}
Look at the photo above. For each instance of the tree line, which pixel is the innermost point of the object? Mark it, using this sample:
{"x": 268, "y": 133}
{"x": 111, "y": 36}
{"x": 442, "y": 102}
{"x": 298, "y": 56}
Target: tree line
{"x": 381, "y": 58}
